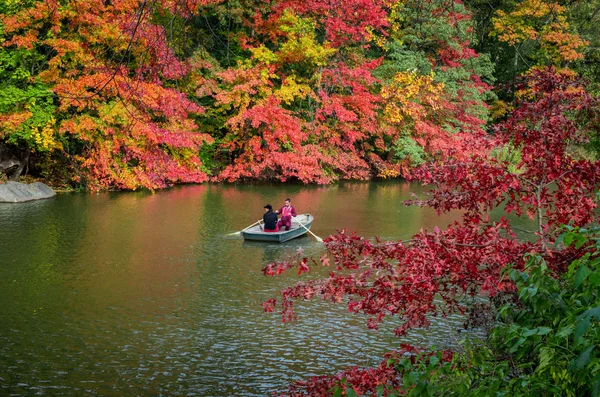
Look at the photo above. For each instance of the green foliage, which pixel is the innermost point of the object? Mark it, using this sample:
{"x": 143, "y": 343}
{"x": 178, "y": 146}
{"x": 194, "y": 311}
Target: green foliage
{"x": 510, "y": 154}
{"x": 553, "y": 334}
{"x": 26, "y": 106}
{"x": 399, "y": 58}
{"x": 406, "y": 148}
{"x": 209, "y": 155}
{"x": 455, "y": 82}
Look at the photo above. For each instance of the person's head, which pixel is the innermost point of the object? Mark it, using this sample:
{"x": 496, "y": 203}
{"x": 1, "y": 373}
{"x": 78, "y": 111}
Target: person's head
{"x": 268, "y": 208}
{"x": 288, "y": 201}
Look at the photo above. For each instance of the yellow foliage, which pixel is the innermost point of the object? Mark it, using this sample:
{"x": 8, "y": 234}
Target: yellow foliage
{"x": 539, "y": 20}
{"x": 411, "y": 96}
{"x": 388, "y": 173}
{"x": 115, "y": 113}
{"x": 263, "y": 54}
{"x": 290, "y": 90}
{"x": 301, "y": 44}
{"x": 45, "y": 137}
{"x": 375, "y": 39}
{"x": 395, "y": 18}
{"x": 500, "y": 109}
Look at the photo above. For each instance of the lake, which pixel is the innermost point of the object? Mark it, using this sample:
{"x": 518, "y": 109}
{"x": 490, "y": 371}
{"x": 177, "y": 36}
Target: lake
{"x": 135, "y": 293}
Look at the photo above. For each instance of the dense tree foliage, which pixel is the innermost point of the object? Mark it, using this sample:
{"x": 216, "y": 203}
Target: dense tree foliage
{"x": 92, "y": 79}
{"x": 146, "y": 93}
{"x": 129, "y": 93}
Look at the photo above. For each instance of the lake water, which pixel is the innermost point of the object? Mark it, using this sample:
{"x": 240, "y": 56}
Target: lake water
{"x": 119, "y": 294}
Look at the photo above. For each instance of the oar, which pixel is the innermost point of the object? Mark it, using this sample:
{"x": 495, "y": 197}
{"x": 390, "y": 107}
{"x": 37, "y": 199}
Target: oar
{"x": 236, "y": 233}
{"x": 319, "y": 239}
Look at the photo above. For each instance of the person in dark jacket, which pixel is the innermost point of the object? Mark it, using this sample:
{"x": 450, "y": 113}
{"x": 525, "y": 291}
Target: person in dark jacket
{"x": 270, "y": 219}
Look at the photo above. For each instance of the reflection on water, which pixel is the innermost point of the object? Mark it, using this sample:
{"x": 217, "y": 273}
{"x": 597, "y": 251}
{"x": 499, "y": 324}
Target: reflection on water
{"x": 145, "y": 294}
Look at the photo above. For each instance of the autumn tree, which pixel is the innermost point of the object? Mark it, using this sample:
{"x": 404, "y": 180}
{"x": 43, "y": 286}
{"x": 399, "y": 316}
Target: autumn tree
{"x": 520, "y": 35}
{"x": 435, "y": 86}
{"x": 150, "y": 93}
{"x": 284, "y": 122}
{"x": 115, "y": 108}
{"x": 525, "y": 352}
{"x": 543, "y": 25}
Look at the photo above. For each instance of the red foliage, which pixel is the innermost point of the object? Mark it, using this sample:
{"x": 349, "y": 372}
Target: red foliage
{"x": 546, "y": 183}
{"x": 336, "y": 120}
{"x": 279, "y": 144}
{"x": 403, "y": 279}
{"x": 384, "y": 380}
{"x": 361, "y": 381}
{"x": 343, "y": 20}
{"x": 351, "y": 103}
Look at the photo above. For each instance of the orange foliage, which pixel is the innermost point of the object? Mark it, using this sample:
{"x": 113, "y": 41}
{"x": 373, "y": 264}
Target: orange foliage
{"x": 108, "y": 68}
{"x": 544, "y": 22}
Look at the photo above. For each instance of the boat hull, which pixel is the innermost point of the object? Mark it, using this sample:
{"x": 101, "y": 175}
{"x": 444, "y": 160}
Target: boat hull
{"x": 255, "y": 233}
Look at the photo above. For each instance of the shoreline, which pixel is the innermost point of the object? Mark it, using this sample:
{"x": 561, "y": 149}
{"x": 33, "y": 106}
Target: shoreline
{"x": 29, "y": 180}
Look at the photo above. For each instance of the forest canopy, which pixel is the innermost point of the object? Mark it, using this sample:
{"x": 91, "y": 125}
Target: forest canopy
{"x": 128, "y": 94}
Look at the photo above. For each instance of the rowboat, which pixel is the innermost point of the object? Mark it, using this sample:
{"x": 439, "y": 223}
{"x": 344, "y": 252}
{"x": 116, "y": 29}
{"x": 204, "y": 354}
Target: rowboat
{"x": 257, "y": 233}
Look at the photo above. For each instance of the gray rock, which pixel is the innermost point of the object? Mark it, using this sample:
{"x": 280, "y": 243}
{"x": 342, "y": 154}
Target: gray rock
{"x": 15, "y": 192}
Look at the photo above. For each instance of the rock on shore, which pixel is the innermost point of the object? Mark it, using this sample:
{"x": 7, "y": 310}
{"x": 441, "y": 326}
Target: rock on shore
{"x": 15, "y": 192}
